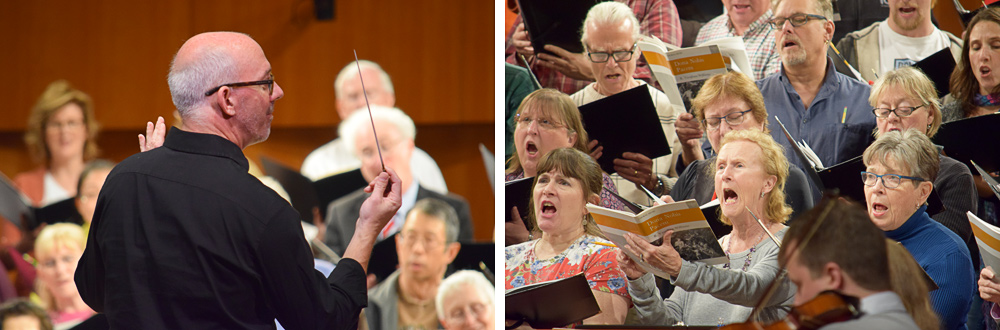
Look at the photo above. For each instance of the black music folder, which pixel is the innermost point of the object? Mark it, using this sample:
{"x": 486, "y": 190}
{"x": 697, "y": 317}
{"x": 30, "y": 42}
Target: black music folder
{"x": 15, "y": 207}
{"x": 552, "y": 304}
{"x": 306, "y": 194}
{"x": 517, "y": 193}
{"x": 475, "y": 256}
{"x": 712, "y": 214}
{"x": 938, "y": 68}
{"x": 971, "y": 139}
{"x": 555, "y": 22}
{"x": 625, "y": 122}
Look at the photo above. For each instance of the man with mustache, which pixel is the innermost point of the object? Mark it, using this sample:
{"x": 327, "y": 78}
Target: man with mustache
{"x": 818, "y": 105}
{"x": 906, "y": 37}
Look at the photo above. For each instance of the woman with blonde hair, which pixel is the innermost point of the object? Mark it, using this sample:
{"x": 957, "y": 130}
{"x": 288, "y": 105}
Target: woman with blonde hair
{"x": 58, "y": 249}
{"x": 750, "y": 173}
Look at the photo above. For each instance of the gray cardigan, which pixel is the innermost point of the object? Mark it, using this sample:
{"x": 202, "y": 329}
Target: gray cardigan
{"x": 711, "y": 295}
{"x": 382, "y": 311}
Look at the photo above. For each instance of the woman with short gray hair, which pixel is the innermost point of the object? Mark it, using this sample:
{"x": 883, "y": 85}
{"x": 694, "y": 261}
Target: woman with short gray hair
{"x": 900, "y": 169}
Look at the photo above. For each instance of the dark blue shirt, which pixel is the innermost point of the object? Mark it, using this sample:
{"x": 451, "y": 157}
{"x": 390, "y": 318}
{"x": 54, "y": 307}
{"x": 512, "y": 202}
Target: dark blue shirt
{"x": 834, "y": 136}
{"x": 943, "y": 255}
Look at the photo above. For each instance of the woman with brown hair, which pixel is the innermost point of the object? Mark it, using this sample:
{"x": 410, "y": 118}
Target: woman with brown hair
{"x": 570, "y": 242}
{"x": 975, "y": 86}
{"x": 904, "y": 275}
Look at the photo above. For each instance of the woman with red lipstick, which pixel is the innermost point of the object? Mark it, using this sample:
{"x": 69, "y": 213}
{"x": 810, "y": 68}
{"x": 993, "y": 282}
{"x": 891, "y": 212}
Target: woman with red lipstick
{"x": 570, "y": 243}
{"x": 547, "y": 120}
{"x": 58, "y": 249}
{"x": 900, "y": 169}
{"x": 905, "y": 99}
{"x": 750, "y": 173}
{"x": 975, "y": 86}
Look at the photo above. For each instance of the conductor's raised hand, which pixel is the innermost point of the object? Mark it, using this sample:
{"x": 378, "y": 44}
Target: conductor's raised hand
{"x": 155, "y": 134}
{"x": 379, "y": 207}
{"x": 663, "y": 257}
{"x": 573, "y": 65}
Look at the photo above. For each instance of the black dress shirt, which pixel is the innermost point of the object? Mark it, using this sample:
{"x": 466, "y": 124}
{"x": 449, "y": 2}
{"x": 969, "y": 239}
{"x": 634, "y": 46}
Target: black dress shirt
{"x": 184, "y": 238}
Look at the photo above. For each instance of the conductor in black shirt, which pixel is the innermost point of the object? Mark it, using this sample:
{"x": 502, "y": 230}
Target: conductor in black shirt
{"x": 184, "y": 238}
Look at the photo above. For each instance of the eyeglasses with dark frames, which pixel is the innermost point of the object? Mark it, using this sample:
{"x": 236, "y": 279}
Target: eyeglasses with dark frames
{"x": 900, "y": 111}
{"x": 733, "y": 118}
{"x": 268, "y": 82}
{"x": 797, "y": 20}
{"x": 890, "y": 181}
{"x": 620, "y": 56}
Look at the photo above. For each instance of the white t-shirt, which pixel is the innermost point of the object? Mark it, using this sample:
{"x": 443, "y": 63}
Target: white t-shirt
{"x": 897, "y": 50}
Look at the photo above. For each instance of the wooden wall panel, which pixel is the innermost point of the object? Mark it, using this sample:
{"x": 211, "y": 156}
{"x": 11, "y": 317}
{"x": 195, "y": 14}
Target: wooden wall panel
{"x": 438, "y": 53}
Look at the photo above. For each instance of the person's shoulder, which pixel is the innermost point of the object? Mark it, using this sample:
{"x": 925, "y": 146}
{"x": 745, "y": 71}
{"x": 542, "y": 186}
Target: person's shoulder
{"x": 585, "y": 95}
{"x": 951, "y": 166}
{"x": 386, "y": 289}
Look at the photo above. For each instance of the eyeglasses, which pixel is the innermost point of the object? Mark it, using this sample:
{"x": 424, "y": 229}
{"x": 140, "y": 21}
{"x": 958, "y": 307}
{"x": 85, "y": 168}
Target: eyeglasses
{"x": 890, "y": 181}
{"x": 268, "y": 82}
{"x": 545, "y": 123}
{"x": 900, "y": 111}
{"x": 411, "y": 238}
{"x": 797, "y": 20}
{"x": 369, "y": 152}
{"x": 458, "y": 315}
{"x": 620, "y": 56}
{"x": 69, "y": 124}
{"x": 733, "y": 119}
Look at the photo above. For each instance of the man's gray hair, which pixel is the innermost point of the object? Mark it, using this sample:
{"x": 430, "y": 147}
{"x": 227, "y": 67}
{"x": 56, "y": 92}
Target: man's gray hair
{"x": 212, "y": 67}
{"x": 359, "y": 119}
{"x": 351, "y": 70}
{"x": 824, "y": 8}
{"x": 454, "y": 284}
{"x": 442, "y": 210}
{"x": 610, "y": 12}
{"x": 910, "y": 149}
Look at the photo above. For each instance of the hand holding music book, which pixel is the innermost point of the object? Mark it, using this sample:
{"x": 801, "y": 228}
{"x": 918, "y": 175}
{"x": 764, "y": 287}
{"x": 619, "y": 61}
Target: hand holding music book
{"x": 550, "y": 304}
{"x": 625, "y": 122}
{"x": 693, "y": 237}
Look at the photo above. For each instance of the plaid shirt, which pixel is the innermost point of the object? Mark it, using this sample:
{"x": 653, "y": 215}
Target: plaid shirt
{"x": 656, "y": 18}
{"x": 758, "y": 39}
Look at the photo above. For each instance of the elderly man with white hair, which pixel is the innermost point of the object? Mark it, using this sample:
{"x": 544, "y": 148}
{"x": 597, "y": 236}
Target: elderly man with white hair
{"x": 335, "y": 156}
{"x": 395, "y": 140}
{"x": 465, "y": 301}
{"x": 610, "y": 33}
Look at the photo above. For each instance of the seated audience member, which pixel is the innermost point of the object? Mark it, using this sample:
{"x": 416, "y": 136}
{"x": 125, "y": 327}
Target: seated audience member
{"x": 750, "y": 173}
{"x": 516, "y": 87}
{"x": 426, "y": 245}
{"x": 905, "y": 274}
{"x": 725, "y": 103}
{"x": 905, "y": 38}
{"x": 567, "y": 180}
{"x": 21, "y": 314}
{"x": 975, "y": 91}
{"x": 464, "y": 301}
{"x": 818, "y": 105}
{"x": 906, "y": 99}
{"x": 547, "y": 120}
{"x": 58, "y": 249}
{"x": 61, "y": 135}
{"x": 570, "y": 72}
{"x": 91, "y": 180}
{"x": 747, "y": 19}
{"x": 901, "y": 167}
{"x": 395, "y": 132}
{"x": 610, "y": 33}
{"x": 335, "y": 156}
{"x": 846, "y": 254}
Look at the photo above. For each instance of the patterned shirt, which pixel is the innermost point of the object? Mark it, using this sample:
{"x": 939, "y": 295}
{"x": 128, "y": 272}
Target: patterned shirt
{"x": 758, "y": 39}
{"x": 597, "y": 262}
{"x": 607, "y": 199}
{"x": 656, "y": 18}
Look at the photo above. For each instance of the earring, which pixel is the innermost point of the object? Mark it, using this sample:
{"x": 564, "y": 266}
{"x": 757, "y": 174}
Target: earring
{"x": 761, "y": 194}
